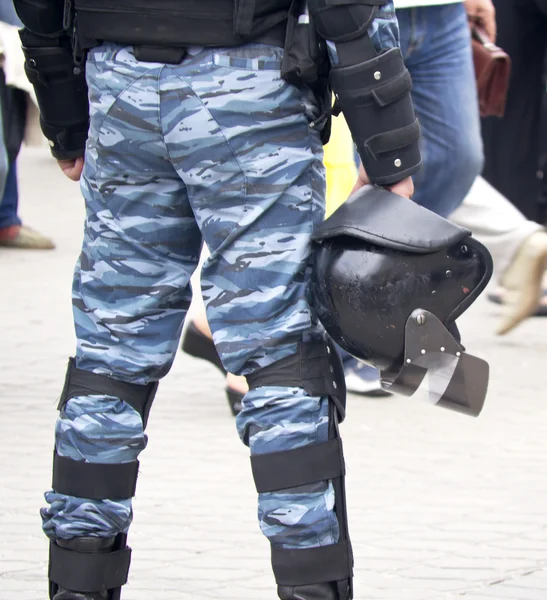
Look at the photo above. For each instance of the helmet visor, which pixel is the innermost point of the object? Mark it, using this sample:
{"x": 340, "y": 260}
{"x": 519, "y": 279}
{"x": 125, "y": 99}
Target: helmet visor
{"x": 437, "y": 368}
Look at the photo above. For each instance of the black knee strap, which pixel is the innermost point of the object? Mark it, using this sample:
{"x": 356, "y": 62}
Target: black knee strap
{"x": 276, "y": 471}
{"x": 100, "y": 481}
{"x": 89, "y": 572}
{"x": 304, "y": 566}
{"x": 316, "y": 368}
{"x": 83, "y": 572}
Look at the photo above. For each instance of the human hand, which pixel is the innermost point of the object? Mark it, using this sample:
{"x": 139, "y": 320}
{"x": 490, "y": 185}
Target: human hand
{"x": 403, "y": 188}
{"x": 362, "y": 179}
{"x": 483, "y": 13}
{"x": 72, "y": 168}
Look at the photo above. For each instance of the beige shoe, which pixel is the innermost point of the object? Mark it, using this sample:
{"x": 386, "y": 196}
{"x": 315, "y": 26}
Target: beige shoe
{"x": 24, "y": 237}
{"x": 523, "y": 282}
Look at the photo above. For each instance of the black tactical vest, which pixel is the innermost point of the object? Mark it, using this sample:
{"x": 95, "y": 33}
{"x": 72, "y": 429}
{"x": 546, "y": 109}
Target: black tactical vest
{"x": 180, "y": 23}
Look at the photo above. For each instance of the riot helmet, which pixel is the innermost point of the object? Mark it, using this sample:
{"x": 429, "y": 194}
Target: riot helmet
{"x": 390, "y": 278}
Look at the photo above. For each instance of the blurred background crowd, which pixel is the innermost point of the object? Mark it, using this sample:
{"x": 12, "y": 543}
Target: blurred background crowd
{"x": 489, "y": 174}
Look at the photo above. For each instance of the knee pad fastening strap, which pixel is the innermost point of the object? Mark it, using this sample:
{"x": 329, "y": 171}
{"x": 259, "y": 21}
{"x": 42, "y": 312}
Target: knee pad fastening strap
{"x": 317, "y": 369}
{"x": 100, "y": 480}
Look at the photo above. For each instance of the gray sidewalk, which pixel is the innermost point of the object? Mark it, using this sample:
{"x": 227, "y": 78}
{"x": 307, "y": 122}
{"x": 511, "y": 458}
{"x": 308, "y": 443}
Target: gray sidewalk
{"x": 441, "y": 506}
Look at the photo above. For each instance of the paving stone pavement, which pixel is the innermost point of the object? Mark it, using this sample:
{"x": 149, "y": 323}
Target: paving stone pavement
{"x": 441, "y": 506}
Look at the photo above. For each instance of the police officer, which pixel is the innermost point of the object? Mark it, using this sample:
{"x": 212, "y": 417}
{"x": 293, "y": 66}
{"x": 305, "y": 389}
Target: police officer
{"x": 176, "y": 120}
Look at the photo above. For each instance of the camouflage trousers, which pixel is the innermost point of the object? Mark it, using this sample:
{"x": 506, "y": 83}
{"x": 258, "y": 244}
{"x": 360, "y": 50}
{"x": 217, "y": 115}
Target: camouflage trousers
{"x": 220, "y": 149}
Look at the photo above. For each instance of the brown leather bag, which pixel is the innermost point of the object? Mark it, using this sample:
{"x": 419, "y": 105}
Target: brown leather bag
{"x": 492, "y": 70}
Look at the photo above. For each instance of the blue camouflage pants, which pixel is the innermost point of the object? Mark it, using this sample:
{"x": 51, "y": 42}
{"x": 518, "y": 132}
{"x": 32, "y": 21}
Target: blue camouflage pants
{"x": 219, "y": 149}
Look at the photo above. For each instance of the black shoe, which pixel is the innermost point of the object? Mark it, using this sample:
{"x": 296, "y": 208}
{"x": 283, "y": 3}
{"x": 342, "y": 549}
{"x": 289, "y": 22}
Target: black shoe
{"x": 199, "y": 345}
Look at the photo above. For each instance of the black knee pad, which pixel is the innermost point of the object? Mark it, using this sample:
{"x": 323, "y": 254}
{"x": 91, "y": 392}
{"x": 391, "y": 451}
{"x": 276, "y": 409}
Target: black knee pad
{"x": 76, "y": 567}
{"x": 317, "y": 369}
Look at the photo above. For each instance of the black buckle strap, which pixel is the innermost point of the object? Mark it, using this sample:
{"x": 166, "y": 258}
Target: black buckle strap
{"x": 98, "y": 481}
{"x": 391, "y": 141}
{"x": 303, "y": 566}
{"x": 392, "y": 90}
{"x": 84, "y": 383}
{"x": 85, "y": 572}
{"x": 291, "y": 468}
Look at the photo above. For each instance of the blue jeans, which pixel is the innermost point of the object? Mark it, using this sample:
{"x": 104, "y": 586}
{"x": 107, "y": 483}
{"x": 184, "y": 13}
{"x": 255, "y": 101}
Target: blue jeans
{"x": 436, "y": 47}
{"x": 10, "y": 200}
{"x": 8, "y": 14}
{"x": 8, "y": 174}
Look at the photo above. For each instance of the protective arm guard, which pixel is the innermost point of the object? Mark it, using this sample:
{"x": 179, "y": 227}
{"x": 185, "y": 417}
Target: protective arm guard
{"x": 373, "y": 90}
{"x": 58, "y": 81}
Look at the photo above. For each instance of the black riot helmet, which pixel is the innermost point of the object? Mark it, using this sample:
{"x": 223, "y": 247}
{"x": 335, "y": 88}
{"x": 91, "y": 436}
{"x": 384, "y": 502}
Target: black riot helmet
{"x": 390, "y": 279}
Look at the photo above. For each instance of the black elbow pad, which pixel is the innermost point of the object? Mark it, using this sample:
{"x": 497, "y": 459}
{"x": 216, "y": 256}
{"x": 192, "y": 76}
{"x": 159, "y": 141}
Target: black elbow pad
{"x": 375, "y": 98}
{"x": 42, "y": 18}
{"x": 373, "y": 90}
{"x": 61, "y": 92}
{"x": 343, "y": 20}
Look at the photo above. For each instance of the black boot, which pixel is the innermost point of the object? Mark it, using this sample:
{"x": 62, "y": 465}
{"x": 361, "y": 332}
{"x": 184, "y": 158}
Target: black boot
{"x": 199, "y": 345}
{"x": 86, "y": 545}
{"x": 312, "y": 591}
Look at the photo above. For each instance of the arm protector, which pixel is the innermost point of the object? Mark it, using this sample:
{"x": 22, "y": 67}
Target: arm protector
{"x": 373, "y": 90}
{"x": 59, "y": 82}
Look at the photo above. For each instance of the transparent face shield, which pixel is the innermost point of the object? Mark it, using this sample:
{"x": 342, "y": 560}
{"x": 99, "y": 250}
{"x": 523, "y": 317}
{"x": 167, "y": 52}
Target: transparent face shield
{"x": 437, "y": 368}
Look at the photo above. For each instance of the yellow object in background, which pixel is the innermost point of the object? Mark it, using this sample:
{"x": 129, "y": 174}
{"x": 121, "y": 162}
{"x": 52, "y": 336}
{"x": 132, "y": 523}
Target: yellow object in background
{"x": 340, "y": 165}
